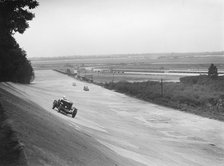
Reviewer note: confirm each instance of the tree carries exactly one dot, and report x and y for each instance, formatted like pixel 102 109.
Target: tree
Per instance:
pixel 15 14
pixel 14 17
pixel 213 71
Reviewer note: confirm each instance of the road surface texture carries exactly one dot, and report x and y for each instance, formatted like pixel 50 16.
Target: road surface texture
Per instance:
pixel 109 128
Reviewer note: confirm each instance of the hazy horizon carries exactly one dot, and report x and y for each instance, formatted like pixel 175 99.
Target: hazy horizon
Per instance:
pixel 104 27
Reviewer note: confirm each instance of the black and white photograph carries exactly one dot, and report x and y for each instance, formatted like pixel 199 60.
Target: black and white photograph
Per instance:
pixel 111 83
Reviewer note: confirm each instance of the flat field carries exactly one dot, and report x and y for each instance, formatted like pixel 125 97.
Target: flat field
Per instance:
pixel 110 77
pixel 118 68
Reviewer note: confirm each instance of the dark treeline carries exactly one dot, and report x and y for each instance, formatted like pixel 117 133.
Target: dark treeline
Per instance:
pixel 14 66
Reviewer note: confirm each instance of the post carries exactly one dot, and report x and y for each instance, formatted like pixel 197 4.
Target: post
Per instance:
pixel 113 77
pixel 161 87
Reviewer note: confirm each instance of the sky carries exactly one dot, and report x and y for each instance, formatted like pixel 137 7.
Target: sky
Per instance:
pixel 99 27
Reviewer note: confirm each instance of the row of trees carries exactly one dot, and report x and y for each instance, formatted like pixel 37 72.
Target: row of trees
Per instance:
pixel 14 17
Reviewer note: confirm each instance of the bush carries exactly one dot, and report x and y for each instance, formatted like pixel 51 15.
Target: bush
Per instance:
pixel 189 80
pixel 213 71
pixel 14 66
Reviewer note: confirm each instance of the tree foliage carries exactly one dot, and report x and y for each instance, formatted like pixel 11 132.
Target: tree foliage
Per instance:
pixel 15 14
pixel 213 71
pixel 14 17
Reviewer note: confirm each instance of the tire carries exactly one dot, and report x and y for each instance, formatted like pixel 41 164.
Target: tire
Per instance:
pixel 74 113
pixel 59 109
pixel 54 104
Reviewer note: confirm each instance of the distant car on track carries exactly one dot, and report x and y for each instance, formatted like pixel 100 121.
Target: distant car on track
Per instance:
pixel 86 88
pixel 65 106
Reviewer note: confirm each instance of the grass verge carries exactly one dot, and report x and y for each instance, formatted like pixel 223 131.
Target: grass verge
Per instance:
pixel 11 150
pixel 199 94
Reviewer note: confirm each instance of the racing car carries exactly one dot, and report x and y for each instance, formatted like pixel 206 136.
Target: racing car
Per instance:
pixel 65 106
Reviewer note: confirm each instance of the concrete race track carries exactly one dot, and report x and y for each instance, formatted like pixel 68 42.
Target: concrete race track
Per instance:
pixel 133 131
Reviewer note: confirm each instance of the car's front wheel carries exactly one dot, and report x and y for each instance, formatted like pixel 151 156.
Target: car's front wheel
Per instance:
pixel 54 104
pixel 59 108
pixel 74 112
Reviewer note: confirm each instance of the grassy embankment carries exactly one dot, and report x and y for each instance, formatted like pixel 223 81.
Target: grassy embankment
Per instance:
pixel 197 94
pixel 11 150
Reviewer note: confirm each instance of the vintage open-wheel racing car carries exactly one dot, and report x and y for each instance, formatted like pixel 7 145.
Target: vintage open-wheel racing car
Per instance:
pixel 65 106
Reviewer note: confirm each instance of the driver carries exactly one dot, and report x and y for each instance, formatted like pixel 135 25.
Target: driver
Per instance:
pixel 63 98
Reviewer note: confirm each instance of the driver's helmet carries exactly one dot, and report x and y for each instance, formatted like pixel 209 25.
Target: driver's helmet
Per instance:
pixel 64 98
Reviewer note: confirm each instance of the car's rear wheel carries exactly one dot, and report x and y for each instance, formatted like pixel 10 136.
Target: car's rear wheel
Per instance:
pixel 74 112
